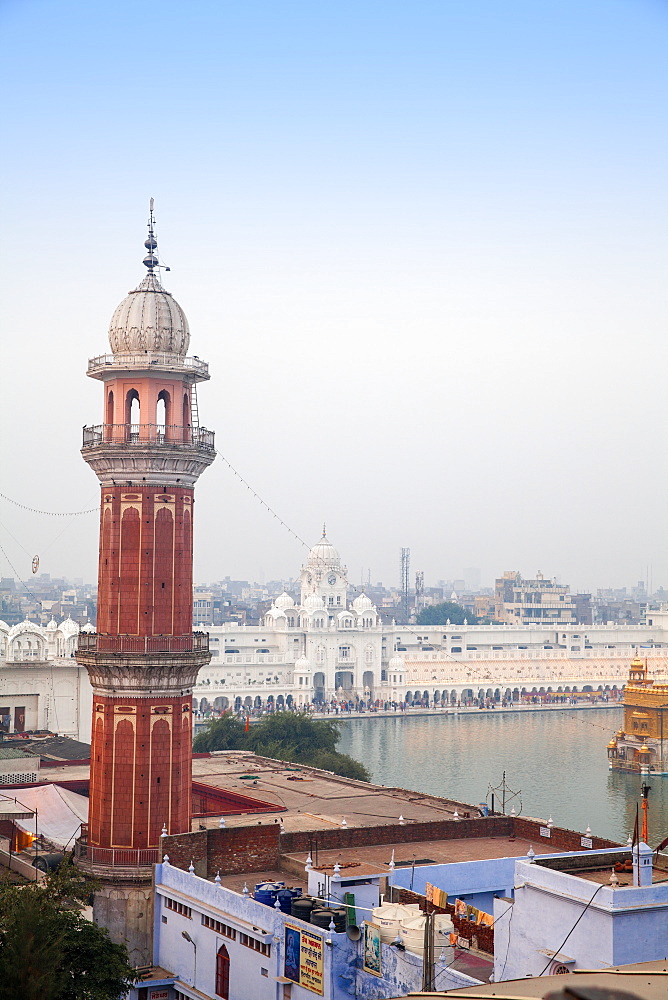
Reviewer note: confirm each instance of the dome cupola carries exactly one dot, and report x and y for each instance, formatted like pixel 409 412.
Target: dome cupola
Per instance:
pixel 149 320
pixel 323 555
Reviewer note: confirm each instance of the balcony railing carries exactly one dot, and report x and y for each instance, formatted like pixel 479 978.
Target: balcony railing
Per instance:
pixel 140 435
pixel 148 359
pixel 92 642
pixel 125 861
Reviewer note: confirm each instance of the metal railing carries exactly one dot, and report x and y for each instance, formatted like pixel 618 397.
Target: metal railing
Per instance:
pixel 149 358
pixel 93 642
pixel 101 859
pixel 128 435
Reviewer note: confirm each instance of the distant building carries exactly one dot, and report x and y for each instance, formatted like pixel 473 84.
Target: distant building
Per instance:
pixel 41 684
pixel 533 602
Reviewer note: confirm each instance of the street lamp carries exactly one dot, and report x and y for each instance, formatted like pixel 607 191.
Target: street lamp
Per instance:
pixel 184 934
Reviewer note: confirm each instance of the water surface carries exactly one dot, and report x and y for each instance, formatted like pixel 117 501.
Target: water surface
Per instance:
pixel 557 758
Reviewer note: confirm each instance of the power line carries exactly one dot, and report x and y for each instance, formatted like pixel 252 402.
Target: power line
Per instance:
pixel 49 513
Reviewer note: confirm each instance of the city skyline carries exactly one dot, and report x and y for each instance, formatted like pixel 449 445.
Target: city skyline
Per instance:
pixel 422 254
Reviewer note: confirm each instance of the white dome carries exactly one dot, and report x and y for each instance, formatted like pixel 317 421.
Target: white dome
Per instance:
pixel 25 626
pixel 313 603
pixel 302 665
pixel 52 626
pixel 149 319
pixel 396 663
pixel 284 601
pixel 275 612
pixel 69 627
pixel 362 603
pixel 88 627
pixel 323 555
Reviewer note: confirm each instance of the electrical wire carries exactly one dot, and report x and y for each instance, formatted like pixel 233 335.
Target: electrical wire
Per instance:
pixel 18 577
pixel 48 513
pixel 492 926
pixel 551 960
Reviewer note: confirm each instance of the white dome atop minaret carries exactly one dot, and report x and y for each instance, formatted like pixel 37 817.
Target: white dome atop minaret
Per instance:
pixel 149 319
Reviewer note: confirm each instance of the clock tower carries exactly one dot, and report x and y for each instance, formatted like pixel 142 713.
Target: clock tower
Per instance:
pixel 325 576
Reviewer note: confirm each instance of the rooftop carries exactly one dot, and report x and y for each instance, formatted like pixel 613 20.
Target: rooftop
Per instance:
pixel 318 799
pixel 644 981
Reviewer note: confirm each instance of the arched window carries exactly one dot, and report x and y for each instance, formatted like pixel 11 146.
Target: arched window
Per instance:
pixel 110 407
pixel 223 973
pixel 186 410
pixel 163 414
pixel 132 408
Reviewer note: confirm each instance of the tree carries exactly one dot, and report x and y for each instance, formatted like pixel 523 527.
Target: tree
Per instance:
pixel 49 951
pixel 292 736
pixel 440 614
pixel 224 733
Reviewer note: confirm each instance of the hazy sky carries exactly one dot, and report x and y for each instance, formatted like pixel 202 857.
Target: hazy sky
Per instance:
pixel 421 244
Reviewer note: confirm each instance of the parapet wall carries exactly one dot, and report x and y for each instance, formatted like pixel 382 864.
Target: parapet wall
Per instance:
pixel 232 850
pixel 447 829
pixel 254 848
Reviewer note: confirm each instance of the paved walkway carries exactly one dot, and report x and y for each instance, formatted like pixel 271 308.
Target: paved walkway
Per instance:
pixel 472 710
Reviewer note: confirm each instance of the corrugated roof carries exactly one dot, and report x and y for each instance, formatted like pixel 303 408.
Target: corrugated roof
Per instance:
pixel 8 753
pixel 59 748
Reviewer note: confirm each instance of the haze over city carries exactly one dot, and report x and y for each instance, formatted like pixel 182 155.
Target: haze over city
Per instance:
pixel 422 248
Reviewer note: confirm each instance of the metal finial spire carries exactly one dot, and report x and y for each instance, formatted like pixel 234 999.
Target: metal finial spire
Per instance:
pixel 151 244
pixel 324 530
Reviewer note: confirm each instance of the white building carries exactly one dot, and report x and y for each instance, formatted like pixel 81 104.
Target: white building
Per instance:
pixel 41 684
pixel 329 648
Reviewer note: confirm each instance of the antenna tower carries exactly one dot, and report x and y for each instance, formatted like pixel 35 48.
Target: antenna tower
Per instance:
pixel 405 580
pixel 419 591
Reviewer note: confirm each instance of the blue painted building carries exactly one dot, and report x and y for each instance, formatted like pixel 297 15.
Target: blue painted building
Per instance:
pixel 218 943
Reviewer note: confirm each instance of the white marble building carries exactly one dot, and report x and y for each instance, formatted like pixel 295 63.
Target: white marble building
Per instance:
pixel 41 684
pixel 330 648
pixel 326 648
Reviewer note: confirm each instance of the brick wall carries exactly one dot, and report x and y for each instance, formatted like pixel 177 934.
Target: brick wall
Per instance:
pixel 365 836
pixel 241 849
pixel 232 850
pixel 492 826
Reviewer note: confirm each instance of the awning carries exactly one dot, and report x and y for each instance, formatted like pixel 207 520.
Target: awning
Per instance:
pixel 13 809
pixel 60 813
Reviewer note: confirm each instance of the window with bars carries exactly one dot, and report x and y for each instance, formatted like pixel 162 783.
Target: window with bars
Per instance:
pixel 251 942
pixel 173 904
pixel 219 927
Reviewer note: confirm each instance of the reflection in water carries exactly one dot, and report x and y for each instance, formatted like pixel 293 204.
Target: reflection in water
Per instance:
pixel 557 758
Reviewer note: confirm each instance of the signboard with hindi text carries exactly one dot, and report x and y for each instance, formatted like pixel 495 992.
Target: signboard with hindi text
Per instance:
pixel 304 958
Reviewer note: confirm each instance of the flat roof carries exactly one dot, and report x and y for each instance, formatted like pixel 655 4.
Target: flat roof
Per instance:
pixel 438 852
pixel 644 980
pixel 313 798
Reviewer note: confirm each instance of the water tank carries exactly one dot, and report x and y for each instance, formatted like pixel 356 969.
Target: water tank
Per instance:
pixel 301 907
pixel 323 916
pixel 285 898
pixel 265 892
pixel 388 917
pixel 412 933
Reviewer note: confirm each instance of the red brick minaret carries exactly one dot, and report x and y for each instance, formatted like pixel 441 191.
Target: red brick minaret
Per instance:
pixel 144 659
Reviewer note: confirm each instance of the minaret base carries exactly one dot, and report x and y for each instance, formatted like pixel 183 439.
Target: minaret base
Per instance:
pixel 127 913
